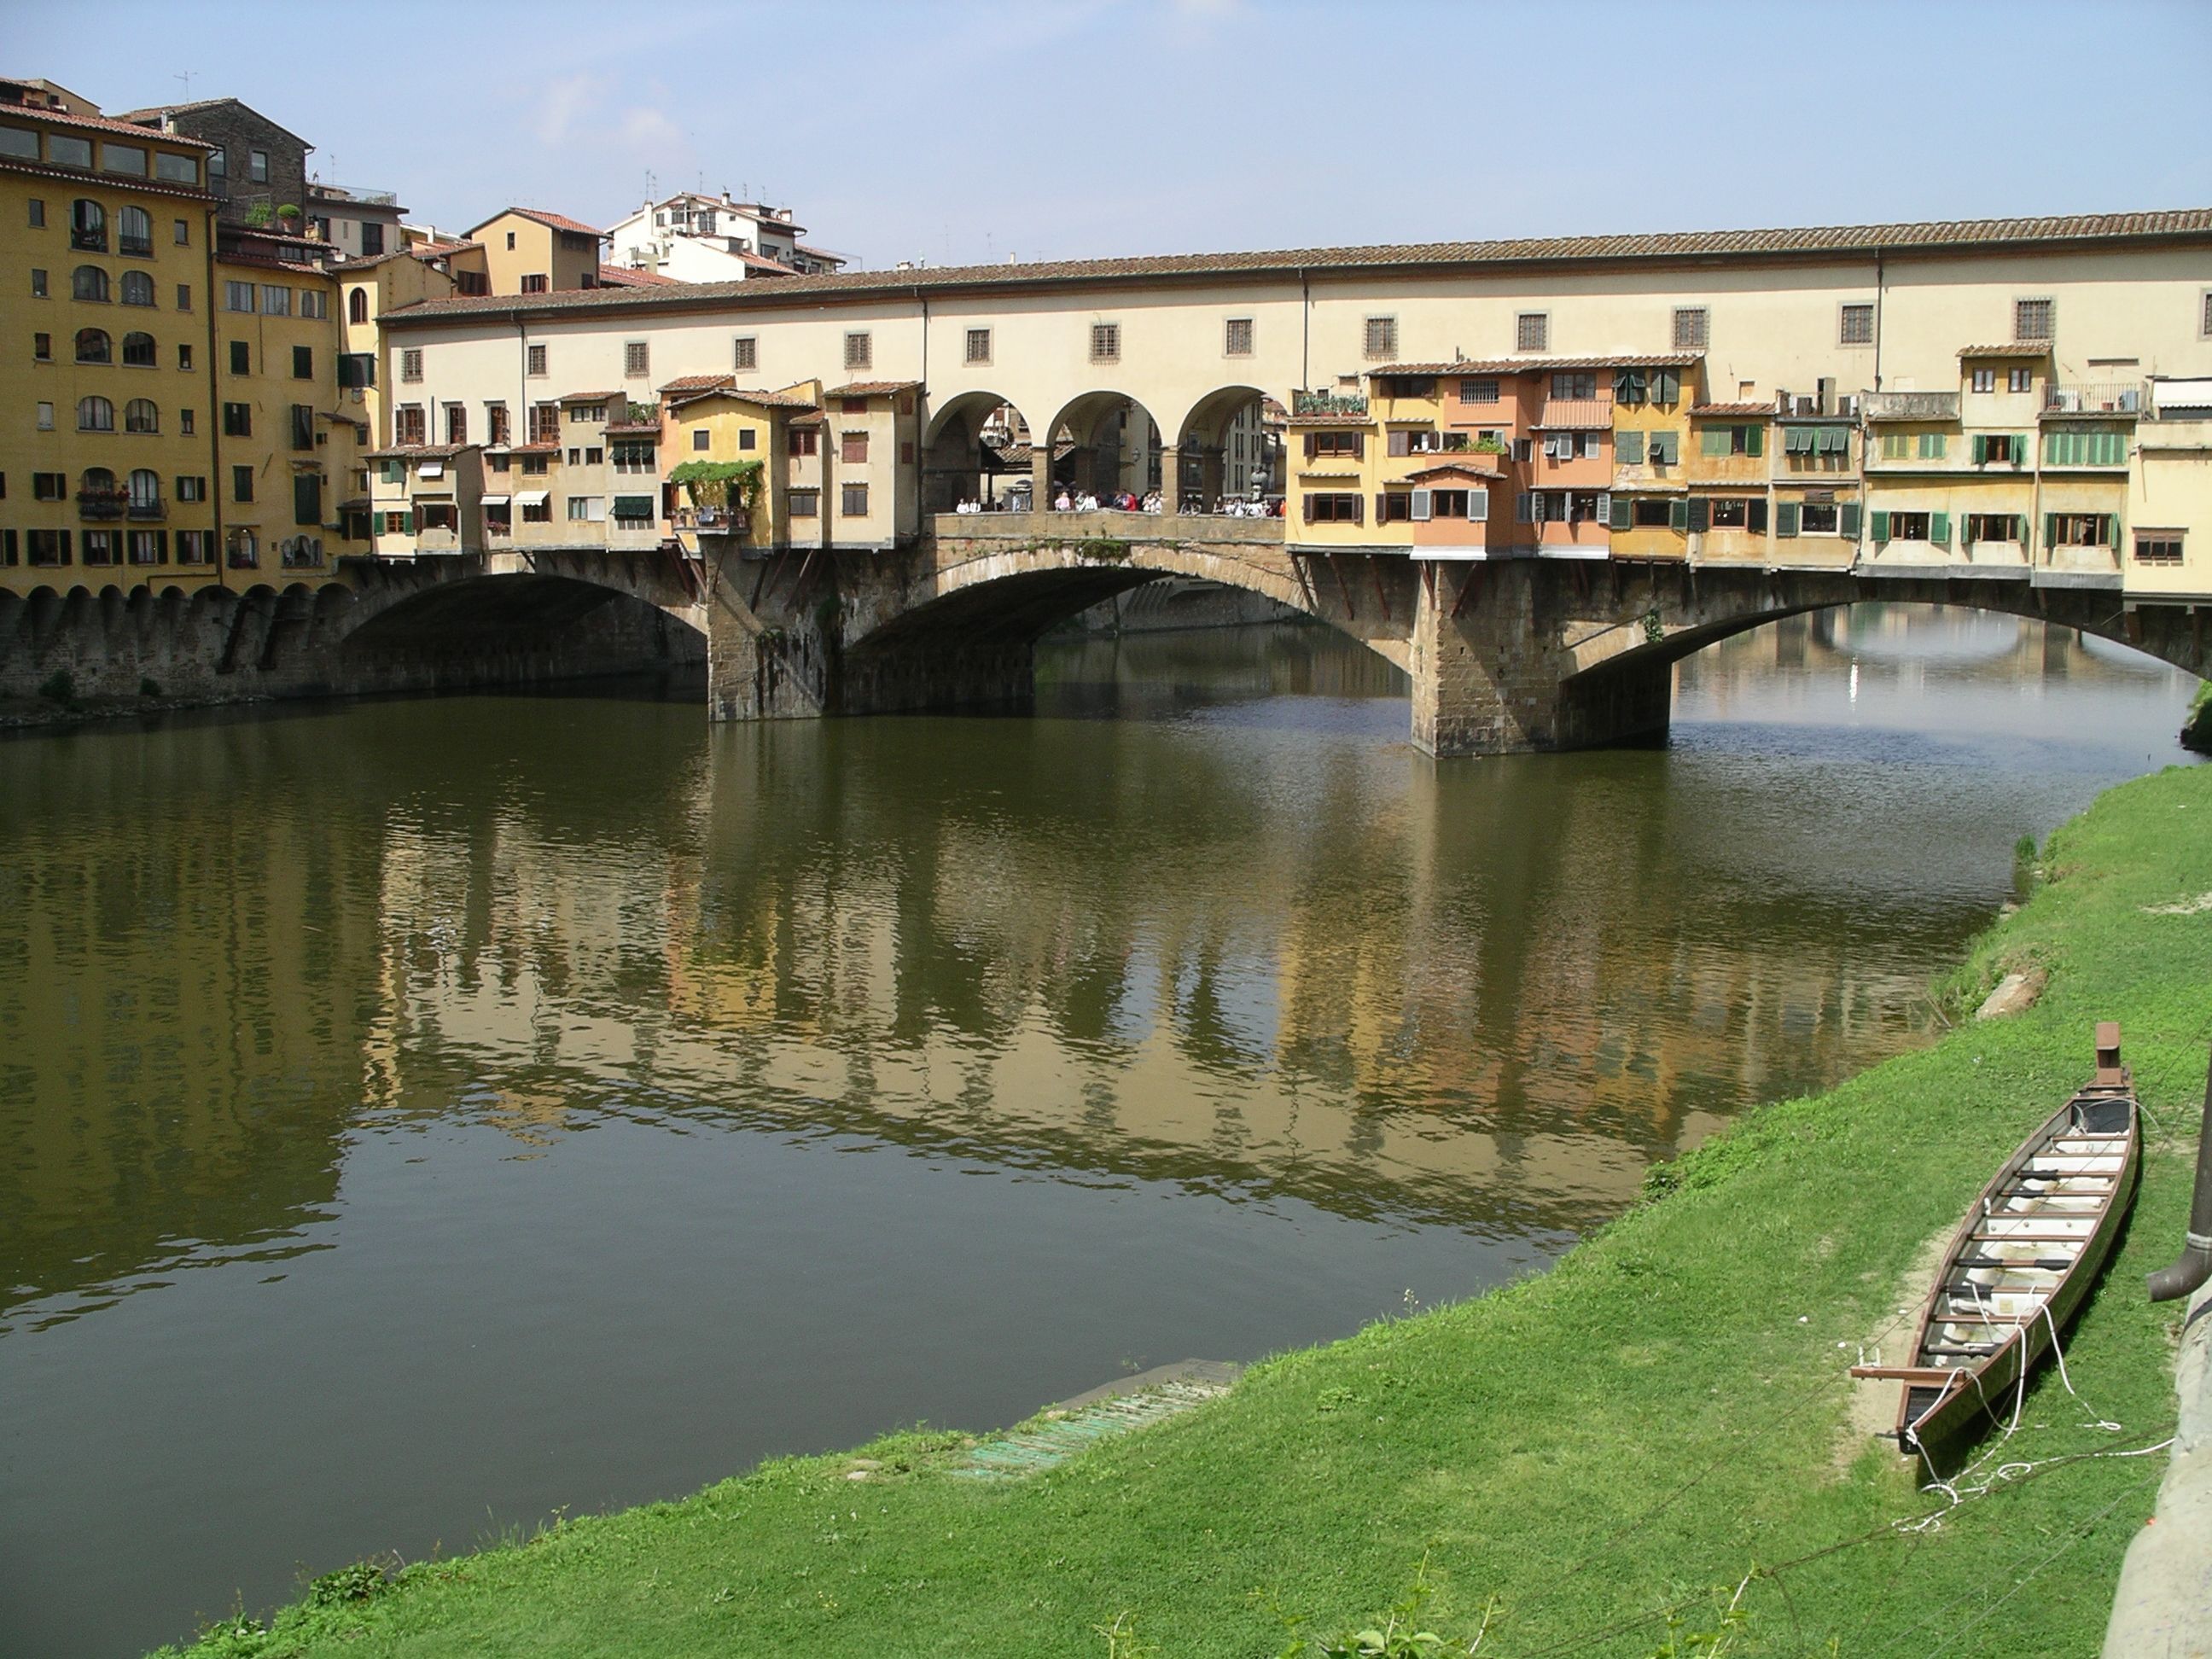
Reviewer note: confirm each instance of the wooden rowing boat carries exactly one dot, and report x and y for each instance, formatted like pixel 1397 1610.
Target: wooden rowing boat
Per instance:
pixel 2019 1264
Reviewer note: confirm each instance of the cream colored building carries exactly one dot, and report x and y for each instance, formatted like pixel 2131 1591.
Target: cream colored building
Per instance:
pixel 1813 323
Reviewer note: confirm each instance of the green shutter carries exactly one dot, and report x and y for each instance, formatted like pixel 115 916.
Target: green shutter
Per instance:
pixel 1939 529
pixel 394 472
pixel 1754 440
pixel 1981 450
pixel 1758 516
pixel 1628 448
pixel 407 519
pixel 1620 512
pixel 1678 513
pixel 1700 513
pixel 1713 441
pixel 1879 531
pixel 1785 518
pixel 2050 530
pixel 2026 525
pixel 1847 520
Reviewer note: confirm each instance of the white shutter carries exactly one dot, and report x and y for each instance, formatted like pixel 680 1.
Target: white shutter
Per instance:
pixel 1424 502
pixel 1536 505
pixel 1604 507
pixel 1478 504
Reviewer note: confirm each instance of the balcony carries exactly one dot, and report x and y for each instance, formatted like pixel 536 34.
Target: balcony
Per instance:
pixel 98 504
pixel 2096 398
pixel 1328 403
pixel 145 512
pixel 1911 406
pixel 715 520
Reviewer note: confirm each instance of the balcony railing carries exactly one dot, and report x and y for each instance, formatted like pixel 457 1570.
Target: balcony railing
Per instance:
pixel 1328 403
pixel 101 503
pixel 1911 406
pixel 145 510
pixel 2097 398
pixel 719 520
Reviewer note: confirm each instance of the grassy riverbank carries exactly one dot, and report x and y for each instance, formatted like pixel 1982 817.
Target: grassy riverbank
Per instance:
pixel 1638 1429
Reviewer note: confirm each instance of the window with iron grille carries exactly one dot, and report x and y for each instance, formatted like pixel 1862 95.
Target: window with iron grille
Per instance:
pixel 2204 315
pixel 744 353
pixel 637 359
pixel 1478 392
pixel 1857 325
pixel 411 363
pixel 1380 339
pixel 979 345
pixel 1692 326
pixel 853 502
pixel 860 350
pixel 1236 340
pixel 2031 320
pixel 537 360
pixel 1532 331
pixel 1105 343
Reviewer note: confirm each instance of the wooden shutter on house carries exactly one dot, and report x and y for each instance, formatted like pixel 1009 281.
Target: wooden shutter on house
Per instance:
pixel 1628 448
pixel 306 498
pixel 1755 517
pixel 1698 513
pixel 1423 506
pixel 1939 529
pixel 1399 443
pixel 1847 520
pixel 1880 530
pixel 1678 513
pixel 1785 518
pixel 1754 440
pixel 1622 511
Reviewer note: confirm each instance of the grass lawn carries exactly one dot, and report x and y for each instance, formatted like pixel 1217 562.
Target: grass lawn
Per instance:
pixel 1636 1429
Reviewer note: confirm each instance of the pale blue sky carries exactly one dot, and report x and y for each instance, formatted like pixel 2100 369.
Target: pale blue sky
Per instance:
pixel 1063 129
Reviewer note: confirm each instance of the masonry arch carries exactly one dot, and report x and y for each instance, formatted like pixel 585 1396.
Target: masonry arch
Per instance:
pixel 1228 450
pixel 977 448
pixel 1114 446
pixel 495 628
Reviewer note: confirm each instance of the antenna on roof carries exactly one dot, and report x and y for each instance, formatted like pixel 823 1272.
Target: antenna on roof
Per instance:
pixel 186 77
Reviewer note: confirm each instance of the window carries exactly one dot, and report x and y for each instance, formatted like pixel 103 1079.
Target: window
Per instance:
pixel 1575 388
pixel 1393 507
pixel 256 165
pixel 87 225
pixel 979 345
pixel 853 448
pixel 303 362
pixel 88 282
pixel 136 288
pixel 1478 392
pixel 1935 446
pixel 1532 331
pixel 1666 386
pixel 2152 547
pixel 218 165
pixel 92 346
pixel 46 417
pixel 2031 320
pixel 1991 527
pixel 145 490
pixel 48 547
pixel 241 358
pixel 1665 448
pixel 1332 507
pixel 134 232
pixel 1857 325
pixel 1628 448
pixel 1105 343
pixel 633 511
pixel 196 547
pixel 181 230
pixel 2203 304
pixel 2021 379
pixel 2090 447
pixel 242 484
pixel 410 362
pixel 49 486
pixel 42 348
pixel 186 423
pixel 1236 337
pixel 805 503
pixel 457 424
pixel 702 438
pixel 546 423
pixel 537 512
pixel 238 296
pixel 587 509
pixel 1379 340
pixel 744 353
pixel 98 547
pixel 853 502
pixel 408 425
pixel 745 437
pixel 637 359
pixel 38 207
pixel 38 284
pixel 805 440
pixel 495 427
pixel 1692 325
pixel 633 458
pixel 536 361
pixel 238 420
pixel 192 487
pixel 183 296
pixel 1999 447
pixel 587 413
pixel 357 304
pixel 1911 526
pixel 139 415
pixel 510 241
pixel 1351 443
pixel 1984 379
pixel 1718 440
pixel 315 303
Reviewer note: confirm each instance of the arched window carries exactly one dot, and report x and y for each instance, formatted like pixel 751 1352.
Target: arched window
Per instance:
pixel 136 288
pixel 88 226
pixel 95 415
pixel 95 481
pixel 92 346
pixel 138 351
pixel 145 489
pixel 357 306
pixel 139 415
pixel 134 231
pixel 88 282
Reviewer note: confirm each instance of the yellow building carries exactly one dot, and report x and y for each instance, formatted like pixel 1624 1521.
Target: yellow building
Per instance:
pixel 1649 504
pixel 720 425
pixel 103 453
pixel 289 436
pixel 529 252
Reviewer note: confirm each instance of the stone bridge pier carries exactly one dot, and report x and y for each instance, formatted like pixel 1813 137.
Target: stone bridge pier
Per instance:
pixel 1504 656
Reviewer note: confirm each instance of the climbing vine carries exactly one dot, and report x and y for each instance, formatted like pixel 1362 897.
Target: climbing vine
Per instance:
pixel 720 484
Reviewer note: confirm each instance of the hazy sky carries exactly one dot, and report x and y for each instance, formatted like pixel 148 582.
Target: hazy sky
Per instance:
pixel 1062 128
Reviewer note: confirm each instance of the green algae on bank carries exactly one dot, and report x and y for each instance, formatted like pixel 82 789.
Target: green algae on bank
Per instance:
pixel 1661 1413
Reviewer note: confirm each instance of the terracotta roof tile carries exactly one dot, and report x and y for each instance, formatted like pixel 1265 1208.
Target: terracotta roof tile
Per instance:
pixel 2015 349
pixel 417 452
pixel 633 429
pixel 1462 469
pixel 110 123
pixel 1332 420
pixel 1697 411
pixel 589 397
pixel 622 277
pixel 1830 242
pixel 871 388
pixel 1574 414
pixel 770 399
pixel 697 383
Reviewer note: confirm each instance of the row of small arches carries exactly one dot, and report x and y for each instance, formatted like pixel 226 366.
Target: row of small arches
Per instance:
pixel 93 346
pixel 144 486
pixel 135 288
pixel 134 228
pixel 98 415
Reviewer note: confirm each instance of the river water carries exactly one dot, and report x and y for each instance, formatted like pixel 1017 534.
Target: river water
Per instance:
pixel 417 1117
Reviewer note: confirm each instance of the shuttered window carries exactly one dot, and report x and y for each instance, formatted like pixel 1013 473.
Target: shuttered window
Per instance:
pixel 744 353
pixel 2084 448
pixel 306 498
pixel 1628 448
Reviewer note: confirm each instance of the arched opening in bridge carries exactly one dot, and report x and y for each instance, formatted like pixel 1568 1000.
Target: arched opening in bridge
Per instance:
pixel 978 451
pixel 1227 455
pixel 1114 452
pixel 522 630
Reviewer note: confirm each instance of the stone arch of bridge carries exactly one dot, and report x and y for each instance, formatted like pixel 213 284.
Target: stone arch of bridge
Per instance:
pixel 971 450
pixel 526 611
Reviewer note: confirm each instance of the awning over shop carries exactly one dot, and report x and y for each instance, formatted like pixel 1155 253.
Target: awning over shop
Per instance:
pixel 494 501
pixel 633 507
pixel 533 497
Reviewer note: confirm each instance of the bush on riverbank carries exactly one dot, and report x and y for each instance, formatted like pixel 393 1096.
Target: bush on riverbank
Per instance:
pixel 2196 728
pixel 1630 1433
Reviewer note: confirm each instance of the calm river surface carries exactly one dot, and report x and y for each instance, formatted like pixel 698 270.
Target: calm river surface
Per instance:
pixel 418 1116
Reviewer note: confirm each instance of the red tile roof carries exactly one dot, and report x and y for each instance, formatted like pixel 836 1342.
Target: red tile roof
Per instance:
pixel 1463 469
pixel 769 399
pixel 106 123
pixel 551 220
pixel 1574 414
pixel 633 429
pixel 697 383
pixel 417 452
pixel 1700 410
pixel 622 277
pixel 871 388
pixel 588 397
pixel 2015 349
pixel 1332 420
pixel 1537 365
pixel 2189 225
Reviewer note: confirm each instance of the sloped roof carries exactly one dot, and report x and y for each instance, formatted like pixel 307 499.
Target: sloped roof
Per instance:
pixel 550 221
pixel 1537 364
pixel 624 277
pixel 1699 411
pixel 101 123
pixel 1830 242
pixel 154 112
pixel 2013 349
pixel 871 388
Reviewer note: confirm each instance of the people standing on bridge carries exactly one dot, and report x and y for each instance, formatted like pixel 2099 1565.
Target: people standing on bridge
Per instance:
pixel 1061 504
